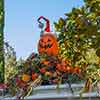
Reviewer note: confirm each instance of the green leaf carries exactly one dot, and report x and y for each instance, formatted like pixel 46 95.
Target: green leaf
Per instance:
pixel 98 52
pixel 56 26
pixel 61 22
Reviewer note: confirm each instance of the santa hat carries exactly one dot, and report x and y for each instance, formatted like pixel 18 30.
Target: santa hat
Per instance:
pixel 47 28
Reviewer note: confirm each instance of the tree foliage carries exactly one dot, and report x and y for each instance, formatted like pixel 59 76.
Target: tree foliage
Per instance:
pixel 1 40
pixel 79 32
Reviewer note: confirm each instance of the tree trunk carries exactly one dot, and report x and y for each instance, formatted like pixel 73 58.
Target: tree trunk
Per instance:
pixel 1 40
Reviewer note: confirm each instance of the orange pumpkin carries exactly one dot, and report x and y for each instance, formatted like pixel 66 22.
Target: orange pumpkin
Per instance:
pixel 25 77
pixel 34 76
pixel 42 70
pixel 48 44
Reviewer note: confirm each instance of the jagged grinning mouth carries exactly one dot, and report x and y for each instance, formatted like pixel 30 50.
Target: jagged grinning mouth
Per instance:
pixel 46 46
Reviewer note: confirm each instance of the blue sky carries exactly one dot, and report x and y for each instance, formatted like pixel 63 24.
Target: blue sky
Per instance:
pixel 21 26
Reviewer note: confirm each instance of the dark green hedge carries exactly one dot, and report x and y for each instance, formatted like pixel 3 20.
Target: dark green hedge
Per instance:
pixel 1 40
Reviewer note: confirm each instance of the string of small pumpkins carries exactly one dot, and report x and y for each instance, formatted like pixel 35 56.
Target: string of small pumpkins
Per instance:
pixel 48 44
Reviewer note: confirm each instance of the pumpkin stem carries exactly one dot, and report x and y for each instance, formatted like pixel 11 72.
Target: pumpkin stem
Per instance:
pixel 47 28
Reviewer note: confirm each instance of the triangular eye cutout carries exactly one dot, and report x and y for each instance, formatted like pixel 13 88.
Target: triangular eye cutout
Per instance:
pixel 41 40
pixel 48 40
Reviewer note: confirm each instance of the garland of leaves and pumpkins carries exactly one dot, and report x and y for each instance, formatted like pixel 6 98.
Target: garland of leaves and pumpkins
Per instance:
pixel 72 56
pixel 44 68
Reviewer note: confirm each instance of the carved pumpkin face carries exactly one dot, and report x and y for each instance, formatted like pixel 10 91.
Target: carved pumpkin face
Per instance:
pixel 48 44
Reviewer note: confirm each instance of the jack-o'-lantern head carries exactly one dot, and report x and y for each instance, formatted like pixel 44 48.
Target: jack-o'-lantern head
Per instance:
pixel 48 44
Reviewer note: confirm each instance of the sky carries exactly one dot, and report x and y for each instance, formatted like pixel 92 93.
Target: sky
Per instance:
pixel 21 26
